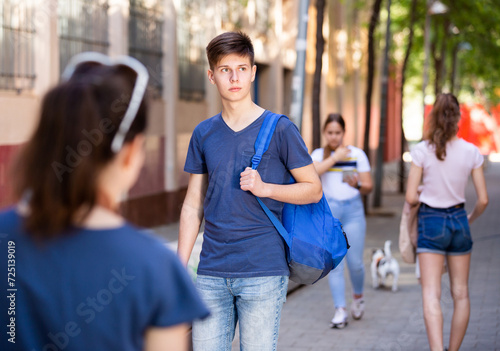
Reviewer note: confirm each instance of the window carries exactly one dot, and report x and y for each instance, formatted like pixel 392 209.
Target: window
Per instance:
pixel 145 38
pixel 16 45
pixel 83 26
pixel 191 43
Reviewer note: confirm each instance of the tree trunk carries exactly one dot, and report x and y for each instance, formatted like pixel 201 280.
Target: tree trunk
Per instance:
pixel 379 165
pixel 453 71
pixel 439 62
pixel 371 70
pixel 320 47
pixel 404 143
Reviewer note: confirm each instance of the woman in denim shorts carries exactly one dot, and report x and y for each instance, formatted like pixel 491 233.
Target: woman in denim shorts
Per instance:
pixel 442 163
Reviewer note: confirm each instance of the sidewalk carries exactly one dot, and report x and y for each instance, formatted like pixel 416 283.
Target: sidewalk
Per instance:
pixel 394 321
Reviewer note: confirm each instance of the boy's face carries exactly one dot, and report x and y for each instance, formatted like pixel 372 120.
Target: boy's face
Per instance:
pixel 233 75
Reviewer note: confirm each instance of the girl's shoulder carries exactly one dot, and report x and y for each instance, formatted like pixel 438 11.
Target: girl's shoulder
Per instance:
pixel 317 154
pixel 356 150
pixel 463 144
pixel 424 146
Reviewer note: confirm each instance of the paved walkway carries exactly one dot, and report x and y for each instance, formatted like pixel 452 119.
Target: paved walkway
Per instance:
pixel 394 321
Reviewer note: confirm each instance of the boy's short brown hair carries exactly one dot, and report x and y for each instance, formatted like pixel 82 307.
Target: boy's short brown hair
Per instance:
pixel 229 43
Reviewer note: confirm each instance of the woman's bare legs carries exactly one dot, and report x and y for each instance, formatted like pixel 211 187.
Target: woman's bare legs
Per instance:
pixel 458 267
pixel 431 266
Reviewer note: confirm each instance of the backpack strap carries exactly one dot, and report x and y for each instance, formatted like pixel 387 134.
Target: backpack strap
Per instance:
pixel 261 145
pixel 277 224
pixel 264 137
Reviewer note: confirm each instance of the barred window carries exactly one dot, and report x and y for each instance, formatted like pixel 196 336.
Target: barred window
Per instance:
pixel 17 31
pixel 191 43
pixel 83 26
pixel 145 38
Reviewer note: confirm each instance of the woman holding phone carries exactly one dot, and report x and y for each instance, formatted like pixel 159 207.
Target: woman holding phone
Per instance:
pixel 345 174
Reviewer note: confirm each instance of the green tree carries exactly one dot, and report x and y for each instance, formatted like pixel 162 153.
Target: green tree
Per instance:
pixel 472 25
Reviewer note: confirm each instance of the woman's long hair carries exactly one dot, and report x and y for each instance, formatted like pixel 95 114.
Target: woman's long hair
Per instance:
pixel 57 170
pixel 443 123
pixel 332 117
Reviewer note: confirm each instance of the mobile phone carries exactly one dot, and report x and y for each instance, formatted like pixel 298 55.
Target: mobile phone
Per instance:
pixel 346 174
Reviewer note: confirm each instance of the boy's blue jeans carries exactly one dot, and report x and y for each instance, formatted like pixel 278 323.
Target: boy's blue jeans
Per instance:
pixel 352 216
pixel 255 303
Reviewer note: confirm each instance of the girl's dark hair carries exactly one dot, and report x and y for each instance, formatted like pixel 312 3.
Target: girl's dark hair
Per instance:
pixel 57 170
pixel 229 43
pixel 332 117
pixel 443 121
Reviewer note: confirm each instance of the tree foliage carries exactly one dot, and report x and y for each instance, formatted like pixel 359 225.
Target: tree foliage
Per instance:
pixel 469 34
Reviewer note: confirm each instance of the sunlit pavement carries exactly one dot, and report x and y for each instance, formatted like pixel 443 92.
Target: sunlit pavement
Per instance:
pixel 394 321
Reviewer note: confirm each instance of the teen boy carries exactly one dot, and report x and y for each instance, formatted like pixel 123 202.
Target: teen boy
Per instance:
pixel 242 274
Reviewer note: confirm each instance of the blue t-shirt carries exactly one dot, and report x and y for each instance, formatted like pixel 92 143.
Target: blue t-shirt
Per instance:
pixel 239 239
pixel 90 290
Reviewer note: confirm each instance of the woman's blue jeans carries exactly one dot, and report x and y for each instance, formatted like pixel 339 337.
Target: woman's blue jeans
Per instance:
pixel 255 303
pixel 352 216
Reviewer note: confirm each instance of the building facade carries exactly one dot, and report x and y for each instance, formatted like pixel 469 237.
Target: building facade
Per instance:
pixel 38 37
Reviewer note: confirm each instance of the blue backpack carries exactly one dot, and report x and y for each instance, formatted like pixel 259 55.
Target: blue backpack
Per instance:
pixel 315 240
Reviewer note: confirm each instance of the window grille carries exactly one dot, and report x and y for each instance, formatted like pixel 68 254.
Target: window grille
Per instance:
pixel 191 42
pixel 17 32
pixel 83 26
pixel 146 37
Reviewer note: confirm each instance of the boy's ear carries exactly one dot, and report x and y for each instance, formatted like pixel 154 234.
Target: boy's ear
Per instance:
pixel 254 71
pixel 210 75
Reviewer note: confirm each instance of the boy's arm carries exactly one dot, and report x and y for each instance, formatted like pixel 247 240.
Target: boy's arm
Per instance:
pixel 306 190
pixel 191 215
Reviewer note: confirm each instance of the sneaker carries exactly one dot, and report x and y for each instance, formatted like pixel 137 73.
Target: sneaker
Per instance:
pixel 339 319
pixel 357 308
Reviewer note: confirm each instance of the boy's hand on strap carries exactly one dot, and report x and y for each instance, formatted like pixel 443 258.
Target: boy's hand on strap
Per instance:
pixel 250 181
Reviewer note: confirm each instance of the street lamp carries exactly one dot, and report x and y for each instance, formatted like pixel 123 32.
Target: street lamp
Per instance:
pixel 462 46
pixel 297 105
pixel 433 8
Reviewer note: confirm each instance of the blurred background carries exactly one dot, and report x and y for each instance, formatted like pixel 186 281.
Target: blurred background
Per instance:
pixel 379 63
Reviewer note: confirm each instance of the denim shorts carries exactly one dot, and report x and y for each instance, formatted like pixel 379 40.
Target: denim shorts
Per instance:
pixel 443 230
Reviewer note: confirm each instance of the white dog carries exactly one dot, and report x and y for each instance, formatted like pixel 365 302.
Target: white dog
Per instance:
pixel 384 264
